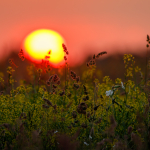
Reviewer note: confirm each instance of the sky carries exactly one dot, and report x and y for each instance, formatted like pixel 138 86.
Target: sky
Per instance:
pixel 88 26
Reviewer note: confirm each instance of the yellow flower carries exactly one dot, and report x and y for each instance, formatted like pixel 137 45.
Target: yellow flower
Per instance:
pixel 137 69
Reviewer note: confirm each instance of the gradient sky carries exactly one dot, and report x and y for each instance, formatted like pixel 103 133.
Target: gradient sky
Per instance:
pixel 88 26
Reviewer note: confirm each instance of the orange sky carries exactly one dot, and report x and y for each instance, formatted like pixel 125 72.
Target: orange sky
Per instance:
pixel 88 26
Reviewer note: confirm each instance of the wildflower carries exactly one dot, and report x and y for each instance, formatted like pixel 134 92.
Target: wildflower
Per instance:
pixel 90 137
pixel 109 93
pixel 86 143
pixel 56 131
pixel 122 85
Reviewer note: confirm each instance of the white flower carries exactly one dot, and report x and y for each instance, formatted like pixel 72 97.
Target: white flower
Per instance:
pixel 86 143
pixel 90 137
pixel 122 85
pixel 56 131
pixel 109 93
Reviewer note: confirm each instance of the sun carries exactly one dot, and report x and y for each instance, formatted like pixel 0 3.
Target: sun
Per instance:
pixel 44 44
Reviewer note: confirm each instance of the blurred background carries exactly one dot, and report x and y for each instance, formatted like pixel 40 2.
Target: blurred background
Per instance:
pixel 88 27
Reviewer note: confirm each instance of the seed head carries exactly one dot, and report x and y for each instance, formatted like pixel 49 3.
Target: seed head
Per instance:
pixel 65 58
pixel 54 86
pixel 148 38
pixel 44 89
pixel 55 106
pixel 84 87
pixel 47 57
pixel 82 108
pixel 62 93
pixel 84 125
pixel 88 114
pixel 58 82
pixel 129 130
pixel 48 102
pixel 95 108
pixel 64 47
pixel 22 58
pixel 75 85
pixel 87 64
pixel 76 121
pixel 98 121
pixel 67 53
pixel 100 54
pixel 92 62
pixel 1 92
pixel 56 78
pixel 94 56
pixel 73 75
pixel 50 78
pixel 78 79
pixel 86 98
pixel 45 106
pixel 48 83
pixel 74 114
pixel 69 95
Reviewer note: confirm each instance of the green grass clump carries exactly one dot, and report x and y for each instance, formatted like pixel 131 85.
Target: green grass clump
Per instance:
pixel 78 113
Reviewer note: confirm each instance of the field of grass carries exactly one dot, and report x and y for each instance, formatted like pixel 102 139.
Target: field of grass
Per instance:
pixel 72 115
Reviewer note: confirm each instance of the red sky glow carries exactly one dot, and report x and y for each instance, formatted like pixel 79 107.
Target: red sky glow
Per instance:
pixel 88 26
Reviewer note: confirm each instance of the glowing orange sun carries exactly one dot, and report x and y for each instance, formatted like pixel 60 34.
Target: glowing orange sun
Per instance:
pixel 44 44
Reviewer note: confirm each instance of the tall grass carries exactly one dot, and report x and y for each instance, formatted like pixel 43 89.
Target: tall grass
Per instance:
pixel 70 114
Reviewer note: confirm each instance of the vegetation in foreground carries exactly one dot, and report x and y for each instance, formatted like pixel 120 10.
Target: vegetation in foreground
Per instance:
pixel 70 114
